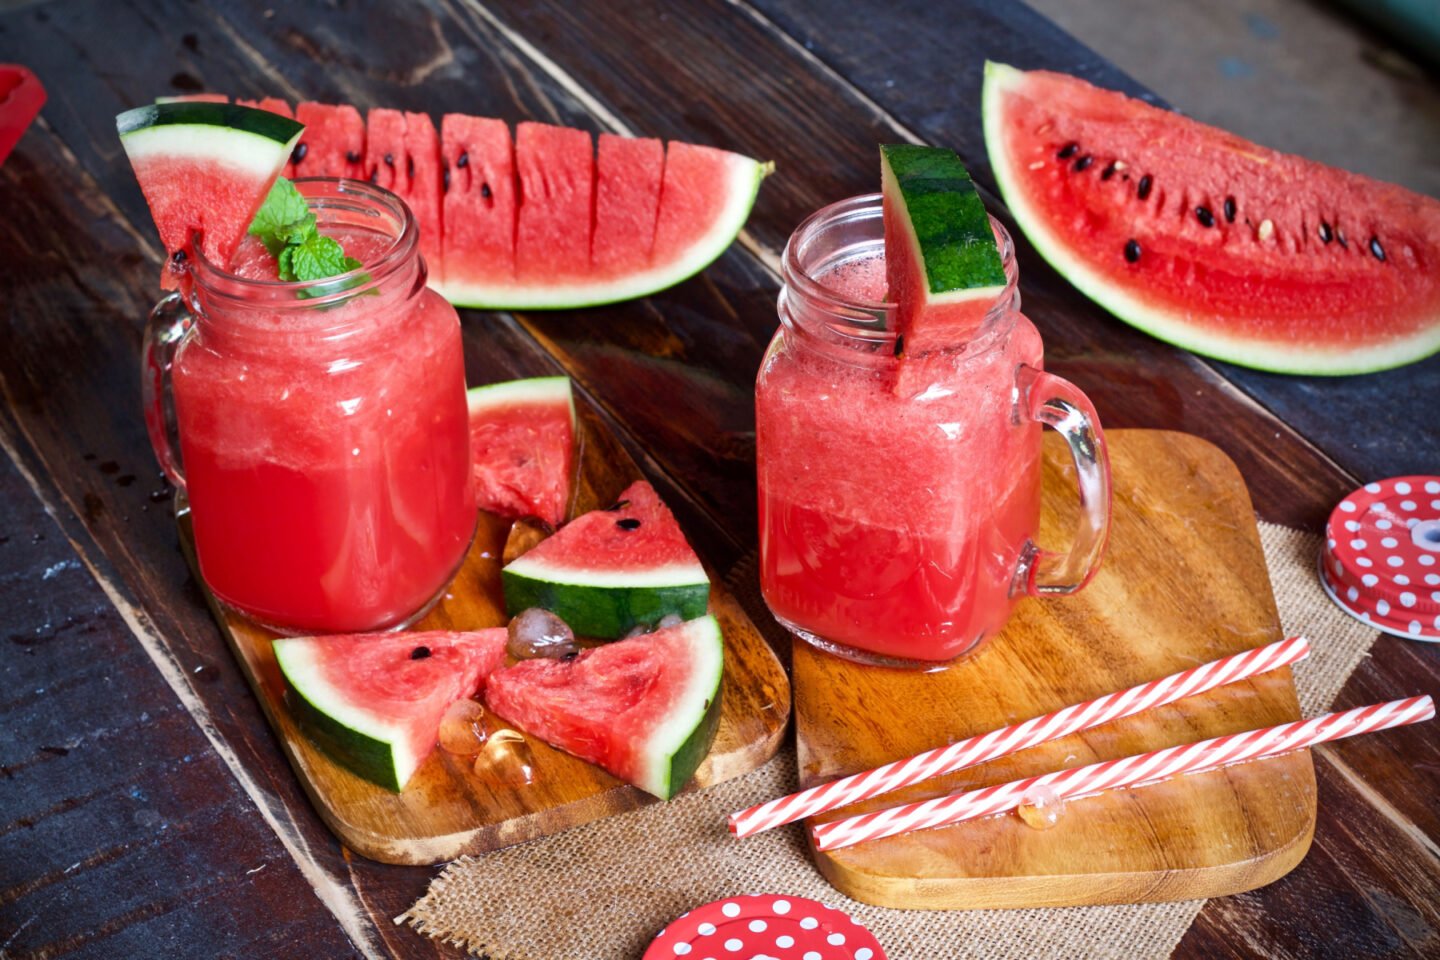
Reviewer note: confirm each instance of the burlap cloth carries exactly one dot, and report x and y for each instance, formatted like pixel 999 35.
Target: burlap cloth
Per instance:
pixel 604 890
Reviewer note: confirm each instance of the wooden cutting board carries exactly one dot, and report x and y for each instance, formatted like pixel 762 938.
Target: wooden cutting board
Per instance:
pixel 448 809
pixel 1184 582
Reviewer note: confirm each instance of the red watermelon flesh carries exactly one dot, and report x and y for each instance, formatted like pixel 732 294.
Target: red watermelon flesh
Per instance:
pixel 645 709
pixel 333 144
pixel 479 206
pixel 375 701
pixel 1210 241
pixel 556 168
pixel 522 439
pixel 628 176
pixel 654 542
pixel 272 104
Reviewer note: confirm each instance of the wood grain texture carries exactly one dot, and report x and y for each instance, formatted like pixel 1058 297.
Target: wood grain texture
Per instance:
pixel 454 805
pixel 1183 583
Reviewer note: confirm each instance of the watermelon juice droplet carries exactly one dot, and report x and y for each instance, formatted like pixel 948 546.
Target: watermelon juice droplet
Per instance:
pixel 506 760
pixel 462 729
pixel 1042 807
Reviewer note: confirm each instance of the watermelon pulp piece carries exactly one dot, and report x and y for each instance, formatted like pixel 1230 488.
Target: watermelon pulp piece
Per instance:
pixel 522 437
pixel 478 213
pixel 205 168
pixel 333 144
pixel 645 709
pixel 628 177
pixel 611 570
pixel 21 97
pixel 556 170
pixel 1209 241
pixel 402 154
pixel 374 702
pixel 942 264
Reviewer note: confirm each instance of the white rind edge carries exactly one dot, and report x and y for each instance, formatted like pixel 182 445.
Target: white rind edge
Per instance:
pixel 1173 327
pixel 744 184
pixel 239 150
pixel 670 575
pixel 532 390
pixel 707 646
pixel 296 657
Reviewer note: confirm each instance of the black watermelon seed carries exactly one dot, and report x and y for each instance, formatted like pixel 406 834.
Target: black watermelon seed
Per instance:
pixel 445 180
pixel 1068 151
pixel 1325 235
pixel 410 167
pixel 485 190
pixel 1340 235
pixel 899 344
pixel 617 505
pixel 1229 209
pixel 178 257
pixel 463 160
pixel 1108 172
pixel 1143 190
pixel 419 653
pixel 352 156
pixel 299 152
pixel 629 523
pixel 1083 163
pixel 1132 251
pixel 1206 218
pixel 389 159
pixel 1377 251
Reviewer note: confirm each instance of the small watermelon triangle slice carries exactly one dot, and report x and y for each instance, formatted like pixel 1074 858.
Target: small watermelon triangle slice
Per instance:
pixel 205 169
pixel 612 570
pixel 942 263
pixel 374 702
pixel 522 438
pixel 645 709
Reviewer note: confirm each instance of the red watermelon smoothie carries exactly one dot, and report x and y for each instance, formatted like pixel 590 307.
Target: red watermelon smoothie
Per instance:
pixel 325 439
pixel 895 525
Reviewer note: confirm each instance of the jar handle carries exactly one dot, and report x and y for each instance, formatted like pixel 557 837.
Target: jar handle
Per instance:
pixel 169 322
pixel 1059 404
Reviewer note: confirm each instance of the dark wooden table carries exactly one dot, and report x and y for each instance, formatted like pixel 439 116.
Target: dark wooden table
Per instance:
pixel 145 809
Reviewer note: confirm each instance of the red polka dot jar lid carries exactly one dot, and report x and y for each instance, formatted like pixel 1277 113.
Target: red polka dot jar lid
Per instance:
pixel 767 927
pixel 1381 561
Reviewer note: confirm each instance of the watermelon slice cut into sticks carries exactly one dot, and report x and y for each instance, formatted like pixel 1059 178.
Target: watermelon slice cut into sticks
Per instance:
pixel 333 144
pixel 374 702
pixel 205 168
pixel 942 264
pixel 1209 241
pixel 645 709
pixel 612 570
pixel 402 154
pixel 522 437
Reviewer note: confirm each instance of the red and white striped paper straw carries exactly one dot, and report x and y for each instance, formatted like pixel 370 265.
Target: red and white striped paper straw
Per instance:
pixel 1128 772
pixel 1007 740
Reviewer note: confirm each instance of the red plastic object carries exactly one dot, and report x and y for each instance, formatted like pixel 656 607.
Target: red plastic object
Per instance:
pixel 1381 561
pixel 21 96
pixel 772 926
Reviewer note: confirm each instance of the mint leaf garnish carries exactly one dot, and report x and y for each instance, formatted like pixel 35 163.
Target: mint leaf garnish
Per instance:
pixel 286 226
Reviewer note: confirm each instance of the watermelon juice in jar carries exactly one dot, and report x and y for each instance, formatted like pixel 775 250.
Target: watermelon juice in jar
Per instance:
pixel 899 507
pixel 323 430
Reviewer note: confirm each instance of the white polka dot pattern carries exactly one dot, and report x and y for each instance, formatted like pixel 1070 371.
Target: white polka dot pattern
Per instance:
pixel 765 928
pixel 1380 540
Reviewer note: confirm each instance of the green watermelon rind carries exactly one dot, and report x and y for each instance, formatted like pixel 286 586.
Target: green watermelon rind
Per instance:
pixel 1281 356
pixel 949 230
pixel 357 740
pixel 534 390
pixel 677 748
pixel 228 135
pixel 603 604
pixel 744 186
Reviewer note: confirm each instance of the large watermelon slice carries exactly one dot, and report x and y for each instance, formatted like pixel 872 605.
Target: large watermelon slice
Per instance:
pixel 522 438
pixel 205 168
pixel 1209 241
pixel 942 264
pixel 374 702
pixel 612 570
pixel 644 709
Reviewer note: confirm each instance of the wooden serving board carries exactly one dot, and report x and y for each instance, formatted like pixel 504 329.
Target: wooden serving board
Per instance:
pixel 1184 582
pixel 447 809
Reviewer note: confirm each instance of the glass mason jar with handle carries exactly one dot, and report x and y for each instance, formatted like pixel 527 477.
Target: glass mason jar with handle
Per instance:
pixel 322 425
pixel 899 497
